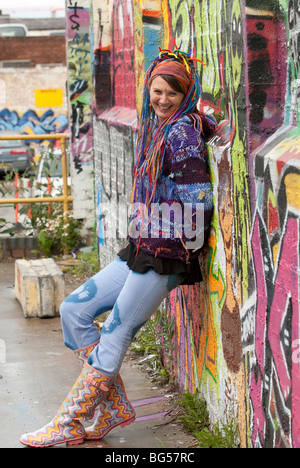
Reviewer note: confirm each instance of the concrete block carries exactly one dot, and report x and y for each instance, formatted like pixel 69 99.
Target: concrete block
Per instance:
pixel 39 287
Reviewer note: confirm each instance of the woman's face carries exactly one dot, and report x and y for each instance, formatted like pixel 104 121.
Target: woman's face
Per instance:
pixel 164 98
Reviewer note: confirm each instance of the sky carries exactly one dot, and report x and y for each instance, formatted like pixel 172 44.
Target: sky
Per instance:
pixel 32 8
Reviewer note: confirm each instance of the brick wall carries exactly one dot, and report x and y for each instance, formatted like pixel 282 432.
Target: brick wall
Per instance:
pixel 39 50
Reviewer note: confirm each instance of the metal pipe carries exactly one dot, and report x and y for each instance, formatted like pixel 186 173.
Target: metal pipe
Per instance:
pixel 52 136
pixel 59 199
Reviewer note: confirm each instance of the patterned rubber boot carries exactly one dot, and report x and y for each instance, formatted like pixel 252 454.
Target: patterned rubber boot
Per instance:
pixel 115 409
pixel 66 427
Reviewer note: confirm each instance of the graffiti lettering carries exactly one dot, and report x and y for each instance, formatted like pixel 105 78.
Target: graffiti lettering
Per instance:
pixel 31 122
pixel 80 83
pixel 75 7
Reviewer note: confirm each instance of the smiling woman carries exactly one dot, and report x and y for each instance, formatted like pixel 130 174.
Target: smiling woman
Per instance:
pixel 171 170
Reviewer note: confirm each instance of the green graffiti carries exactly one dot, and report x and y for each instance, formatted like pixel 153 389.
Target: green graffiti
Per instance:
pixel 197 28
pixel 218 40
pixel 207 25
pixel 239 161
pixel 182 23
pixel 236 41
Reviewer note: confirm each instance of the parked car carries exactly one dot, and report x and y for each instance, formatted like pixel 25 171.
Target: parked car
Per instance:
pixel 13 30
pixel 14 154
pixel 49 180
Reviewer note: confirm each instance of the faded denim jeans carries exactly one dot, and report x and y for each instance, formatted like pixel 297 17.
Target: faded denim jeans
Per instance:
pixel 132 297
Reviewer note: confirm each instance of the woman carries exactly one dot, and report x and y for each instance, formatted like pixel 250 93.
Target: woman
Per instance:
pixel 171 182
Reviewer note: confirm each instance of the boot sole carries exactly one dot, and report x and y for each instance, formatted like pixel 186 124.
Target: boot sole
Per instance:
pixel 68 442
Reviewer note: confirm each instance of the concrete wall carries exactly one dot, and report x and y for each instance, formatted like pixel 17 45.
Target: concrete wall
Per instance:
pixel 237 333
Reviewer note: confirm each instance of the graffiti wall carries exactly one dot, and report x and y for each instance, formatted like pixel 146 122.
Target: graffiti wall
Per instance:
pixel 80 88
pixel 31 122
pixel 236 333
pixel 42 108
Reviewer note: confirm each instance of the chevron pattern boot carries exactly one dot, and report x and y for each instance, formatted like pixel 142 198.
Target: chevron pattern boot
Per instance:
pixel 66 427
pixel 114 410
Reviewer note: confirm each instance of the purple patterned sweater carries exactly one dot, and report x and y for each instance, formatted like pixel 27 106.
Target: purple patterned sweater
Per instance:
pixel 184 186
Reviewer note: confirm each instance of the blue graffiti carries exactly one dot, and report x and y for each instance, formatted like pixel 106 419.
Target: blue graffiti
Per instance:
pixel 30 122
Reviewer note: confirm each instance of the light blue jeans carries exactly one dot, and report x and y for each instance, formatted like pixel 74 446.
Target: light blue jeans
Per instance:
pixel 132 297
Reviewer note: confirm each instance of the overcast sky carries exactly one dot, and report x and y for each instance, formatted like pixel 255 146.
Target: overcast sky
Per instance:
pixel 32 8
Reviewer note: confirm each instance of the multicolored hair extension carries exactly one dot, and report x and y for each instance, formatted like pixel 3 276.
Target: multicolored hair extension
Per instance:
pixel 150 148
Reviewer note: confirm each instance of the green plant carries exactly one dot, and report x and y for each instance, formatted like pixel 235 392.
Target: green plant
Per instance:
pixel 45 242
pixel 195 416
pixel 88 264
pixel 221 436
pixel 4 227
pixel 195 419
pixel 154 342
pixel 57 231
pixel 66 231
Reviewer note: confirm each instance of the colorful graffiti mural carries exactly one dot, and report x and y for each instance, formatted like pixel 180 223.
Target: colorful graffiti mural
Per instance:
pixel 259 314
pixel 32 123
pixel 275 375
pixel 80 82
pixel 237 333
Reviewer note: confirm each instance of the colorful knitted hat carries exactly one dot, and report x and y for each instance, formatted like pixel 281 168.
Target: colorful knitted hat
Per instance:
pixel 173 68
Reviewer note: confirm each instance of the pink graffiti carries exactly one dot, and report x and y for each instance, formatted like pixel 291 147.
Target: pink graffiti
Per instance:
pixel 257 382
pixel 259 419
pixel 124 87
pixel 287 289
pixel 262 297
pixel 286 293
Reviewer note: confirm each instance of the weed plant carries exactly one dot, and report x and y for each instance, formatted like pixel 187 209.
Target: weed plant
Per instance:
pixel 195 419
pixel 154 342
pixel 88 264
pixel 57 232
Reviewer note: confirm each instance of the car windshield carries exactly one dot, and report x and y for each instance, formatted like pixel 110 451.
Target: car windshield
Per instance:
pixel 12 31
pixel 11 143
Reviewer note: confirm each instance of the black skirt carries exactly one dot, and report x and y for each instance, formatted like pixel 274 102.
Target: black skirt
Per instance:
pixel 141 262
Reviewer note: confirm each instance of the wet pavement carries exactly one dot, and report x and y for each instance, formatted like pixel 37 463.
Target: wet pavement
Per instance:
pixel 37 372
